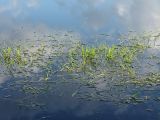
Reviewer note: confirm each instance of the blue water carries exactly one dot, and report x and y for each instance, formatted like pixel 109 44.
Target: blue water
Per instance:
pixel 33 19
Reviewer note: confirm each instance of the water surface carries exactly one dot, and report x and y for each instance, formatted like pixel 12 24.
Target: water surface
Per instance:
pixel 59 25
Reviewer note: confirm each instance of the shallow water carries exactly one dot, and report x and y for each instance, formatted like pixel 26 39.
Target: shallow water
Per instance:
pixel 46 30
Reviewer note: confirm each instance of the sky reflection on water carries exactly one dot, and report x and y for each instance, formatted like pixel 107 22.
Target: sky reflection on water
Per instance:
pixel 84 16
pixel 21 18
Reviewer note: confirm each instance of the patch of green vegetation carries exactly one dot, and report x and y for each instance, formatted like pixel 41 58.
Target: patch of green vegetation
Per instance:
pixel 111 65
pixel 7 56
pixel 111 53
pixel 19 57
pixel 102 57
pixel 88 56
pixel 11 56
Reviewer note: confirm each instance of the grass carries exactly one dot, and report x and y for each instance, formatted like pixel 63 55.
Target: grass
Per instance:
pixel 101 60
pixel 113 64
pixel 7 56
pixel 110 54
pixel 10 56
pixel 94 61
pixel 19 57
pixel 12 59
pixel 88 55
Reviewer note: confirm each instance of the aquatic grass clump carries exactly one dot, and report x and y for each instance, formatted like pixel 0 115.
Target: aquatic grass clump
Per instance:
pixel 19 57
pixel 127 54
pixel 7 56
pixel 81 58
pixel 72 57
pixel 12 59
pixel 104 61
pixel 11 56
pixel 88 55
pixel 111 53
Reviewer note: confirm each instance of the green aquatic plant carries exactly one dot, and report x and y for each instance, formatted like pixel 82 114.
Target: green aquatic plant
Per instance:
pixel 72 64
pixel 7 56
pixel 85 58
pixel 11 56
pixel 112 66
pixel 81 58
pixel 7 59
pixel 126 54
pixel 88 55
pixel 110 54
pixel 12 59
pixel 18 58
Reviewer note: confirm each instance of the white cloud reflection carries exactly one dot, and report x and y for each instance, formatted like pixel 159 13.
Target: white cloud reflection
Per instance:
pixel 16 7
pixel 116 14
pixel 141 14
pixel 32 3
pixel 100 14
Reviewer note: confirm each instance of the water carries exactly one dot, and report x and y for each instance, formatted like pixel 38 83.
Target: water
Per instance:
pixel 43 91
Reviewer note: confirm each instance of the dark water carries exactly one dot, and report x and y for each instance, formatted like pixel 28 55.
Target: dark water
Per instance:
pixel 84 20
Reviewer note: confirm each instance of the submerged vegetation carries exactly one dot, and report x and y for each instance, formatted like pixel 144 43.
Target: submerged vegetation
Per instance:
pixel 109 71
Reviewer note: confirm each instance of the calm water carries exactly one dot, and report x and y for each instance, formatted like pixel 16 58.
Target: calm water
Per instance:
pixel 84 20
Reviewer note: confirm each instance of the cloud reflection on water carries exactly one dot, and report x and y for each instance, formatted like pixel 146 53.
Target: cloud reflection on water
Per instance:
pixel 88 15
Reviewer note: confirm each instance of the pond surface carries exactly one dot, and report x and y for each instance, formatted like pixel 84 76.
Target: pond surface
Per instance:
pixel 53 57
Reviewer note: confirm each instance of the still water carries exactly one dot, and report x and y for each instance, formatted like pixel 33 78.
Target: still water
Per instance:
pixel 60 24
